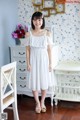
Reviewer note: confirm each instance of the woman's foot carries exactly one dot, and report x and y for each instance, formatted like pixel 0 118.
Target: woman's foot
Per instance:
pixel 38 108
pixel 43 107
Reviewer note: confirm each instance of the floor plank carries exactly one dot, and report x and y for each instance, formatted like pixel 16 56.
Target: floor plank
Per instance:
pixel 64 111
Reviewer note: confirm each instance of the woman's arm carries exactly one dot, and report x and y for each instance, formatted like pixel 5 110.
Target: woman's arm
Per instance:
pixel 28 53
pixel 28 57
pixel 50 58
pixel 49 49
pixel 49 54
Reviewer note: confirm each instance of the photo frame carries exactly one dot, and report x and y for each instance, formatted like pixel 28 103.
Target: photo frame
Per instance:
pixel 60 8
pixel 45 12
pixel 49 7
pixel 52 11
pixel 48 4
pixel 37 2
pixel 37 8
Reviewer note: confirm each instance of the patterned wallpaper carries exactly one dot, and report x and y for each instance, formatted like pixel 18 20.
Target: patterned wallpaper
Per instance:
pixel 66 27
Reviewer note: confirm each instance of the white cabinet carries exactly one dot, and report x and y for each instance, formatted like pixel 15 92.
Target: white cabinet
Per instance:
pixel 18 53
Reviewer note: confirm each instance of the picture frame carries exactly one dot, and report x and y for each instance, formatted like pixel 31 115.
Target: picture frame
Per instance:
pixel 45 12
pixel 60 8
pixel 48 4
pixel 37 8
pixel 49 7
pixel 53 11
pixel 37 2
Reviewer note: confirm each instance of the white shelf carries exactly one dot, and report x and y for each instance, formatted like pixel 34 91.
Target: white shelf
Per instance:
pixel 68 90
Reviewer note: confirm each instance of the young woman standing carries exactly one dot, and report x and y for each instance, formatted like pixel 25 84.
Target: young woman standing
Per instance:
pixel 39 62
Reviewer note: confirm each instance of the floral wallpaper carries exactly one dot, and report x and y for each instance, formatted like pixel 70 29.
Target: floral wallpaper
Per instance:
pixel 66 27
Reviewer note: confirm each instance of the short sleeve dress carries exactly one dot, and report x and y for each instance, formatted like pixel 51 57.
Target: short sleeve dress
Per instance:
pixel 39 76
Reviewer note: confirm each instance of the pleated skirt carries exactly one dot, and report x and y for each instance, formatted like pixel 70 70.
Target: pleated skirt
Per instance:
pixel 39 78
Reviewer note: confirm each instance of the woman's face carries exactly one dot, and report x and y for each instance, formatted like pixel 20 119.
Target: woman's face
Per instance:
pixel 37 22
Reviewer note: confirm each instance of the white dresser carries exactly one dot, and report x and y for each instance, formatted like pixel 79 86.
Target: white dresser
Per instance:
pixel 18 53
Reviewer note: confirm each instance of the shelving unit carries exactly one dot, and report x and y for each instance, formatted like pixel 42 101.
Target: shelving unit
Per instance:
pixel 67 77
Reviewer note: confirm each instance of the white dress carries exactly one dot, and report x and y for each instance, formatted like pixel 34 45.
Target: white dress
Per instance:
pixel 39 76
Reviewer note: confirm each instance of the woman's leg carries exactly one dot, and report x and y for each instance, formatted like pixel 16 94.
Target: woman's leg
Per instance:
pixel 35 94
pixel 36 97
pixel 43 96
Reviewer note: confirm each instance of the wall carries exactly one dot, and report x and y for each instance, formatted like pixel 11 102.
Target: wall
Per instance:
pixel 66 27
pixel 8 21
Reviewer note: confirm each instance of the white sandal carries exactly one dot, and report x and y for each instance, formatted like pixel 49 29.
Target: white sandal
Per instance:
pixel 37 109
pixel 43 109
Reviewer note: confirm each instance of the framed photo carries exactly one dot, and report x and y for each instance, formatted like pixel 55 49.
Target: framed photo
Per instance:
pixel 37 8
pixel 60 8
pixel 45 12
pixel 53 11
pixel 48 4
pixel 49 7
pixel 37 2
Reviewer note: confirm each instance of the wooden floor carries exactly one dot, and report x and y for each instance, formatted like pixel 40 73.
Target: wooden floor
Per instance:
pixel 64 110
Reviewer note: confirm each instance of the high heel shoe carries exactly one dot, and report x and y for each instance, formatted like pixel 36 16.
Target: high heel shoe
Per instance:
pixel 43 109
pixel 38 109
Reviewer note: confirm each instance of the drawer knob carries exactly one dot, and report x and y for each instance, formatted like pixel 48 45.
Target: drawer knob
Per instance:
pixel 23 86
pixel 22 70
pixel 23 78
pixel 21 53
pixel 21 62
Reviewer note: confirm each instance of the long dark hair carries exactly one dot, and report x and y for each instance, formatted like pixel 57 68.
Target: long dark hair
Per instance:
pixel 37 15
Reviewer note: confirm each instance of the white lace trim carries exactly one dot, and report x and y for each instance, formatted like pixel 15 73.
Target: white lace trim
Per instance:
pixel 38 41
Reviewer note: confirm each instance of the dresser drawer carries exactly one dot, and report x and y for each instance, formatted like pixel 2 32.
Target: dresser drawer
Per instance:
pixel 20 61
pixel 22 69
pixel 18 51
pixel 22 76
pixel 21 85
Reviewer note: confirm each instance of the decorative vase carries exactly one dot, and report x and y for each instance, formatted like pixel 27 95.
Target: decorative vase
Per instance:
pixel 17 41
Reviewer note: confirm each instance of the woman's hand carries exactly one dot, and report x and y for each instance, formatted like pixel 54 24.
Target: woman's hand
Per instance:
pixel 50 68
pixel 29 67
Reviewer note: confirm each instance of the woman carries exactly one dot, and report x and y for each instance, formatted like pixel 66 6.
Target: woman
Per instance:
pixel 39 62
